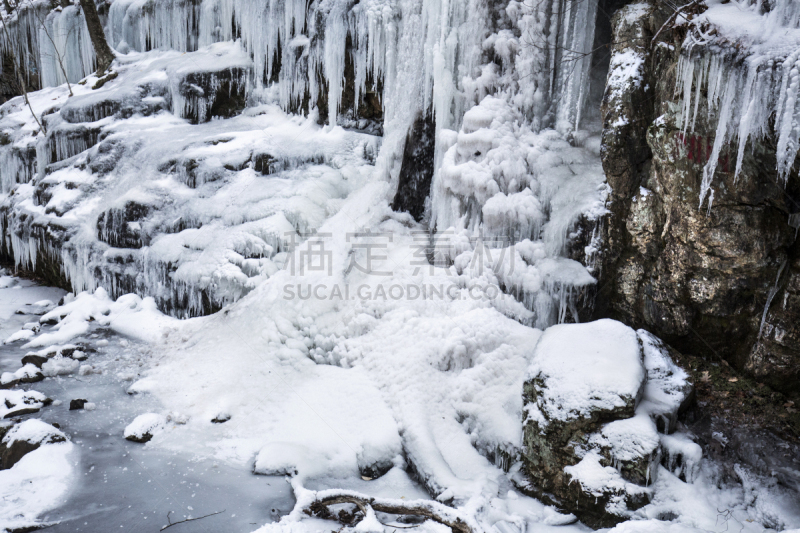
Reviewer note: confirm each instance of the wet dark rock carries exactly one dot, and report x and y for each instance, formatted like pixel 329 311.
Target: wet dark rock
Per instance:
pixel 77 404
pixel 416 171
pixel 21 411
pixel 213 94
pixel 375 470
pixel 35 378
pixel 141 439
pixel 221 418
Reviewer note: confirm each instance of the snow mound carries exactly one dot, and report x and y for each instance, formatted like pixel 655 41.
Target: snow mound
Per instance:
pixel 35 484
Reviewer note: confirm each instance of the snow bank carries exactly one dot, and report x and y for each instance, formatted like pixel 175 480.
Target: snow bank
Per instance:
pixel 36 484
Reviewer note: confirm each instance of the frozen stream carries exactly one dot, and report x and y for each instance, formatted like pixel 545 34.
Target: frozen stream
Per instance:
pixel 120 485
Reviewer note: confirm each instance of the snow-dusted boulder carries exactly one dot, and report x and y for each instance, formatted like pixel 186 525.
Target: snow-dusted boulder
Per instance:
pixel 18 402
pixel 27 374
pixel 597 398
pixel 144 427
pixel 25 437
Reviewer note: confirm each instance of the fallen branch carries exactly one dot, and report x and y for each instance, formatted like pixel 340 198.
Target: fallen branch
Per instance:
pixel 364 503
pixel 171 523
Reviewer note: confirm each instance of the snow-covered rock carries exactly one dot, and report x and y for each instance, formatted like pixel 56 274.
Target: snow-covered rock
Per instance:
pixel 17 402
pixel 25 437
pixel 29 373
pixel 144 427
pixel 35 474
pixel 594 394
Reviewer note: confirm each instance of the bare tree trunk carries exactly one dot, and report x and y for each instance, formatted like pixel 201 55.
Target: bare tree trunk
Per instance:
pixel 101 49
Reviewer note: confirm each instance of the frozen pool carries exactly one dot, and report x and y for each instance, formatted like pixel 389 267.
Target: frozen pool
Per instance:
pixel 120 485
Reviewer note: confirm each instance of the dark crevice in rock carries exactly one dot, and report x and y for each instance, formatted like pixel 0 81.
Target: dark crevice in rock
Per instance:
pixel 416 171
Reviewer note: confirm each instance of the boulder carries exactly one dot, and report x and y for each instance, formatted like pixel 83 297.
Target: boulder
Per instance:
pixel 598 398
pixel 144 427
pixel 77 404
pixel 35 360
pixel 25 437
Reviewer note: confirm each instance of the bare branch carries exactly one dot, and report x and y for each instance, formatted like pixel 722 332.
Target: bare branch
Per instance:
pixel 171 523
pixel 672 18
pixel 396 507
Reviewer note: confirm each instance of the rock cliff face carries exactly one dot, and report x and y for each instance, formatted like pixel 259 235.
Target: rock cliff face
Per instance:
pixel 721 281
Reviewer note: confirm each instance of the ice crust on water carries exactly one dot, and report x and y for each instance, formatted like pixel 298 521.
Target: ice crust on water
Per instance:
pixel 750 71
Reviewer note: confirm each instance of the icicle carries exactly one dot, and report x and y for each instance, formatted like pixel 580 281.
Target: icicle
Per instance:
pixel 772 292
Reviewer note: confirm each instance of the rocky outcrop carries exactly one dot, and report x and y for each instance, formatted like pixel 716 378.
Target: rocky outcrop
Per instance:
pixel 599 400
pixel 702 279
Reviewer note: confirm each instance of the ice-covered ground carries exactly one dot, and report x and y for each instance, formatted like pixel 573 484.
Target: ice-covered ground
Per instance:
pixel 330 393
pixel 355 351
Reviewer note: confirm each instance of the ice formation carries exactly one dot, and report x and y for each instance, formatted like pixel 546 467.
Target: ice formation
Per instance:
pixel 745 60
pixel 517 185
pixel 54 44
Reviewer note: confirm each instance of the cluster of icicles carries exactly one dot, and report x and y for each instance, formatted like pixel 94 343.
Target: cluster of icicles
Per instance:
pixel 54 44
pixel 743 93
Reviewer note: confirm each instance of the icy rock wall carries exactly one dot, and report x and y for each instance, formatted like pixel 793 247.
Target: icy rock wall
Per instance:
pixel 525 177
pixel 698 103
pixel 439 44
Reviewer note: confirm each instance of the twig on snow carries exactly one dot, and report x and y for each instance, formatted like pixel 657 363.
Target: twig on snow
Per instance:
pixel 171 523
